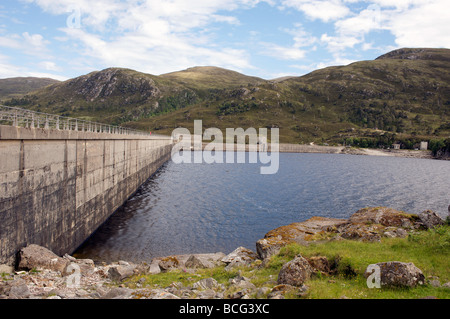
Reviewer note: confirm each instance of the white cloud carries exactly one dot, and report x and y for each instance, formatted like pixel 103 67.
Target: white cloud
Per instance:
pixel 35 41
pixel 325 10
pixel 424 25
pixel 283 53
pixel 8 70
pixel 31 44
pixel 49 65
pixel 152 36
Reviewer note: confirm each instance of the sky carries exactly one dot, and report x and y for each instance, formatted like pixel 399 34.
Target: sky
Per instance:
pixel 63 39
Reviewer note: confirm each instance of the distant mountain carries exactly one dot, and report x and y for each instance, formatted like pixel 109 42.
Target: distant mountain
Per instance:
pixel 403 95
pixel 209 77
pixel 14 87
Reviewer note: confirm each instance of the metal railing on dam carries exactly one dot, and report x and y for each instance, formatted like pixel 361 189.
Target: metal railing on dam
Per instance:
pixel 31 119
pixel 61 178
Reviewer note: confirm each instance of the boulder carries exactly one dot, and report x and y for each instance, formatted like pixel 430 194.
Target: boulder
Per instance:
pixel 15 289
pixel 241 256
pixel 86 266
pixel 118 293
pixel 320 263
pixel 121 272
pixel 382 215
pixel 295 272
pixel 162 294
pixel 170 262
pixel 154 267
pixel 241 282
pixel 301 233
pixel 430 219
pixel 207 283
pixel 198 262
pixel 38 257
pixel 267 247
pixel 5 269
pixel 397 274
pixel 358 231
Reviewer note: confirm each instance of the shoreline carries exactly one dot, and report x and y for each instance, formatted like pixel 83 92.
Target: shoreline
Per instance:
pixel 41 274
pixel 305 148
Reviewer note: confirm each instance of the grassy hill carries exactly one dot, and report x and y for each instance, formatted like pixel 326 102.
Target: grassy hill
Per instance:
pixel 403 95
pixel 209 77
pixel 15 87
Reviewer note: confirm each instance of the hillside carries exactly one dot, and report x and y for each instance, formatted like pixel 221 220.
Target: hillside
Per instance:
pixel 208 77
pixel 403 95
pixel 14 87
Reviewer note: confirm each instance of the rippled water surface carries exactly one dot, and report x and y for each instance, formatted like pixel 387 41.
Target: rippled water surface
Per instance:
pixel 199 208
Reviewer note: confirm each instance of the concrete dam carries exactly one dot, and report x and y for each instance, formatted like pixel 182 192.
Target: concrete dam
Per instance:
pixel 61 178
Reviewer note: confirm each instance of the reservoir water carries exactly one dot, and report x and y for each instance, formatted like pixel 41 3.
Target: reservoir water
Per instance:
pixel 205 208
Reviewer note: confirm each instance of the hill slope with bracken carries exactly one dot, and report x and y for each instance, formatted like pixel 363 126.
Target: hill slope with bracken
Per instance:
pixel 402 95
pixel 14 87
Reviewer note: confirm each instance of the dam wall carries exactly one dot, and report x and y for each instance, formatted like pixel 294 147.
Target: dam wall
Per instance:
pixel 58 186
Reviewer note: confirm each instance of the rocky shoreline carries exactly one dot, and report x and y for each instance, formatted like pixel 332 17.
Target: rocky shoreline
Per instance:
pixel 40 274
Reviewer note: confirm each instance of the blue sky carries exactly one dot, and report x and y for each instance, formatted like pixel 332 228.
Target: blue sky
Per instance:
pixel 62 39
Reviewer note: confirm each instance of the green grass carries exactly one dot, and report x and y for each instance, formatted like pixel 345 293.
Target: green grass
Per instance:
pixel 428 250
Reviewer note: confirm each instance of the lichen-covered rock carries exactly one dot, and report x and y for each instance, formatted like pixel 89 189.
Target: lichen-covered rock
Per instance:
pixel 38 257
pixel 267 247
pixel 301 233
pixel 430 219
pixel 168 263
pixel 207 283
pixel 361 232
pixel 198 262
pixel 295 272
pixel 382 215
pixel 397 274
pixel 320 263
pixel 241 256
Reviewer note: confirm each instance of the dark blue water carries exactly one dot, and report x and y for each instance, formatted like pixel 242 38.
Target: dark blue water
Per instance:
pixel 201 208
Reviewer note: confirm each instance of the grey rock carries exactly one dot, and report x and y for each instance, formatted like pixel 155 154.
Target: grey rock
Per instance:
pixel 5 269
pixel 118 293
pixel 262 292
pixel 430 219
pixel 242 283
pixel 154 267
pixel 241 256
pixel 162 294
pixel 295 272
pixel 267 247
pixel 120 273
pixel 389 234
pixel 446 285
pixel 198 262
pixel 240 294
pixel 435 283
pixel 34 256
pixel 401 233
pixel 398 274
pixel 207 283
pixel 207 294
pixel 19 289
pixel 170 262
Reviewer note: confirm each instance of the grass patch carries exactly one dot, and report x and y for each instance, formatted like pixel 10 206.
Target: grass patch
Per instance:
pixel 428 250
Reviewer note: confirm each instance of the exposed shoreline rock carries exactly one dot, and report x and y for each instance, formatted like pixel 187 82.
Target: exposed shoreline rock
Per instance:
pixel 41 274
pixel 367 224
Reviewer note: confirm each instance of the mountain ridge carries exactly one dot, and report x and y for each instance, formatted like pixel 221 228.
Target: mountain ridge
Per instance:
pixel 403 93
